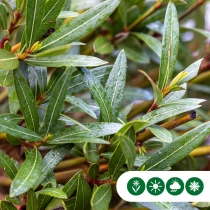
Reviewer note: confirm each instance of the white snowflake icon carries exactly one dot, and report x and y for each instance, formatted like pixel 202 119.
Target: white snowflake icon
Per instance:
pixel 194 186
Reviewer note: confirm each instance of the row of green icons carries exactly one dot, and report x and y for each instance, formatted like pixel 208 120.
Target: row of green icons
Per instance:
pixel 156 186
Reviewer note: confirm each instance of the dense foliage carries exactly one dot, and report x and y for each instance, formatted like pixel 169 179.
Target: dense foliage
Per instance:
pixel 75 117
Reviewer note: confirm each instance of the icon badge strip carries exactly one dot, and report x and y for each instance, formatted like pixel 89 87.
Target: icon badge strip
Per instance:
pixel 164 186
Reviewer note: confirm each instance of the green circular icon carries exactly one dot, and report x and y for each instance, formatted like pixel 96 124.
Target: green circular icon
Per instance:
pixel 155 186
pixel 175 186
pixel 194 186
pixel 136 186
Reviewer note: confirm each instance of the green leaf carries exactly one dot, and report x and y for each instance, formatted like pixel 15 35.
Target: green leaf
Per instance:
pixel 116 83
pixel 13 140
pixel 5 206
pixel 13 100
pixel 6 78
pixel 65 60
pixel 42 78
pixel 81 25
pixel 67 14
pixel 54 78
pixel 178 149
pixel 56 203
pixel 13 200
pixel 34 14
pixel 101 197
pixel 99 94
pixel 170 46
pixel 27 103
pixel 123 6
pixel 52 52
pixel 18 131
pixel 158 97
pixel 54 192
pixel 197 30
pixel 161 133
pixel 3 16
pixel 28 174
pixel 116 162
pixel 176 95
pixel 81 104
pixel 150 41
pixel 8 61
pixel 71 185
pixel 192 71
pixel 83 195
pixel 129 150
pixel 168 110
pixel 134 50
pixel 32 202
pixel 95 129
pixel 8 165
pixel 78 84
pixel 102 45
pixel 43 200
pixel 14 118
pixel 51 160
pixel 70 203
pixel 78 139
pixel 93 171
pixel 56 101
pixel 51 12
pixel 91 153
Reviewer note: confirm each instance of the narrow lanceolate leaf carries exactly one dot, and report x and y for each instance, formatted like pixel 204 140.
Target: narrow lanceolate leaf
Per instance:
pixel 81 25
pixel 27 102
pixel 116 162
pixel 18 131
pixel 192 72
pixel 205 33
pixel 78 139
pixel 150 41
pixel 14 118
pixel 116 83
pixel 65 60
pixel 83 196
pixel 94 129
pixel 54 192
pixel 101 197
pixel 161 133
pixel 51 12
pixel 56 203
pixel 34 14
pixel 8 61
pixel 8 165
pixel 7 206
pixel 129 150
pixel 168 110
pixel 42 78
pixel 178 149
pixel 78 84
pixel 32 202
pixel 3 15
pixel 99 95
pixel 28 174
pixel 71 185
pixel 81 104
pixel 44 199
pixel 6 77
pixel 51 160
pixel 57 100
pixel 170 46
